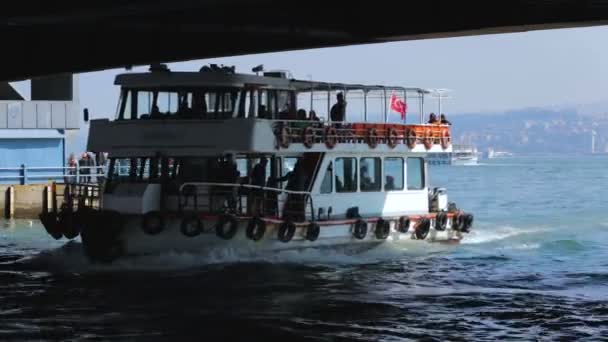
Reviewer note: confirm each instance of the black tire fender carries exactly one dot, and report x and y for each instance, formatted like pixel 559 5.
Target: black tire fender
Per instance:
pixel 191 226
pixel 313 231
pixel 360 229
pixel 231 222
pixel 383 229
pixel 286 231
pixel 153 222
pixel 404 224
pixel 423 226
pixel 441 221
pixel 256 229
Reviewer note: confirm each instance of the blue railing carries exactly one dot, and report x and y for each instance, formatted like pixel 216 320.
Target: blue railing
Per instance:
pixel 45 174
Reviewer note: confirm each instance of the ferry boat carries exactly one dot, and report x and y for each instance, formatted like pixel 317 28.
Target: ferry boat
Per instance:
pixel 464 155
pixel 214 159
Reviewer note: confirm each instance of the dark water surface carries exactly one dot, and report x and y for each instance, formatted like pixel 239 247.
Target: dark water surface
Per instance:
pixel 535 268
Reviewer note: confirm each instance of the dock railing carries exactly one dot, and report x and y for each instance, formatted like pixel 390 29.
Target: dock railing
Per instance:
pixel 44 174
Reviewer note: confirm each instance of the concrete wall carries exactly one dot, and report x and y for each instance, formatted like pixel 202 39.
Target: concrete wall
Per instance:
pixel 27 200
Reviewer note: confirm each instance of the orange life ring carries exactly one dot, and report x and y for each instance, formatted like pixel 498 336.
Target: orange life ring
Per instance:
pixel 391 137
pixel 330 137
pixel 372 137
pixel 445 139
pixel 308 137
pixel 428 139
pixel 411 138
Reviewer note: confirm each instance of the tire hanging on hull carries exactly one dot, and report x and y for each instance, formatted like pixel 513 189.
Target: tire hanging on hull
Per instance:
pixel 286 231
pixel 191 226
pixel 313 231
pixel 256 229
pixel 360 229
pixel 230 222
pixel 441 222
pixel 383 229
pixel 422 228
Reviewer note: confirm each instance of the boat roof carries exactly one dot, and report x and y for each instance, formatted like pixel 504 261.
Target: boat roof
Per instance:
pixel 219 79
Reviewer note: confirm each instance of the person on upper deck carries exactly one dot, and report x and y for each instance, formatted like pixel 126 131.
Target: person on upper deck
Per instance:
pixel 338 110
pixel 433 119
pixel 443 120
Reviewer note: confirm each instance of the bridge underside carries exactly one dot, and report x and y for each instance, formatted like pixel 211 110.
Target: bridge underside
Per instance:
pixel 48 37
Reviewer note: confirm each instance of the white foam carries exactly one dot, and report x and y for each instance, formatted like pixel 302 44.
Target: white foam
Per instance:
pixel 478 236
pixel 70 257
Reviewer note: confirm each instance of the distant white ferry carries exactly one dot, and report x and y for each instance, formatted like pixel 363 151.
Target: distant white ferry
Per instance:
pixel 464 155
pixel 460 155
pixel 498 154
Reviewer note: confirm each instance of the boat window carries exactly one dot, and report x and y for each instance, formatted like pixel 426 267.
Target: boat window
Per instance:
pixel 288 164
pixel 122 169
pixel 124 109
pixel 346 174
pixel 144 103
pixel 371 178
pixel 167 102
pixel 326 185
pixel 415 173
pixel 393 171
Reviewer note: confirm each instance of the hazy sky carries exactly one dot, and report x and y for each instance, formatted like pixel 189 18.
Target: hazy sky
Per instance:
pixel 486 73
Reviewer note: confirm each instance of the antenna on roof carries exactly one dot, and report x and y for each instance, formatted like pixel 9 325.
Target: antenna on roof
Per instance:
pixel 258 69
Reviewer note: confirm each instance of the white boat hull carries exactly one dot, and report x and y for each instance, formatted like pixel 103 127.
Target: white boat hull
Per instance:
pixel 465 161
pixel 136 242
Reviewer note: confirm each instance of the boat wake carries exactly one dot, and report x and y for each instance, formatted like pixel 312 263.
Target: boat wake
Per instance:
pixel 70 257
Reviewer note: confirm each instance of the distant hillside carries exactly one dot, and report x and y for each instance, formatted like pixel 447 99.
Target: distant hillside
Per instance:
pixel 532 130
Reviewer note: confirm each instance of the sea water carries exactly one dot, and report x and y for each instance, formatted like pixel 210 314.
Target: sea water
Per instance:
pixel 535 267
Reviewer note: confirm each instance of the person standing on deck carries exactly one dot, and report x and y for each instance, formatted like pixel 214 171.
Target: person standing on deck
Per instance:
pixel 258 178
pixel 338 110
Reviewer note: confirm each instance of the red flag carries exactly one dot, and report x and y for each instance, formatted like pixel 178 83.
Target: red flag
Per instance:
pixel 398 106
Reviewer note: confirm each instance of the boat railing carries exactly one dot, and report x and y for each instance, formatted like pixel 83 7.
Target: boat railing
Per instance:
pixel 310 132
pixel 76 196
pixel 245 200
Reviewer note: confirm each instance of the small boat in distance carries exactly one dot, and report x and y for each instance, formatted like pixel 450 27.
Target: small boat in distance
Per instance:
pixel 464 155
pixel 492 154
pixel 215 160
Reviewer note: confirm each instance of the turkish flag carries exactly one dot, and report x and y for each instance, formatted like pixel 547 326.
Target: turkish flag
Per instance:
pixel 398 106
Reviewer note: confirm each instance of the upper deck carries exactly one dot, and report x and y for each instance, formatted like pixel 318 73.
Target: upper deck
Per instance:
pixel 216 110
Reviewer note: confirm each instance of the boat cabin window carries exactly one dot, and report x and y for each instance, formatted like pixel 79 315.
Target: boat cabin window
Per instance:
pixel 346 174
pixel 206 103
pixel 326 184
pixel 371 179
pixel 393 171
pixel 415 173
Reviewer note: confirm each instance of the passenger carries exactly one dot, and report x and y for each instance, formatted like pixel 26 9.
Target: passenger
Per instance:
pixel 390 183
pixel 230 174
pixel 366 180
pixel 296 181
pixel 301 114
pixel 71 174
pixel 184 111
pixel 262 114
pixel 313 116
pixel 338 110
pixel 432 119
pixel 155 112
pixel 85 165
pixel 444 121
pixel 258 178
